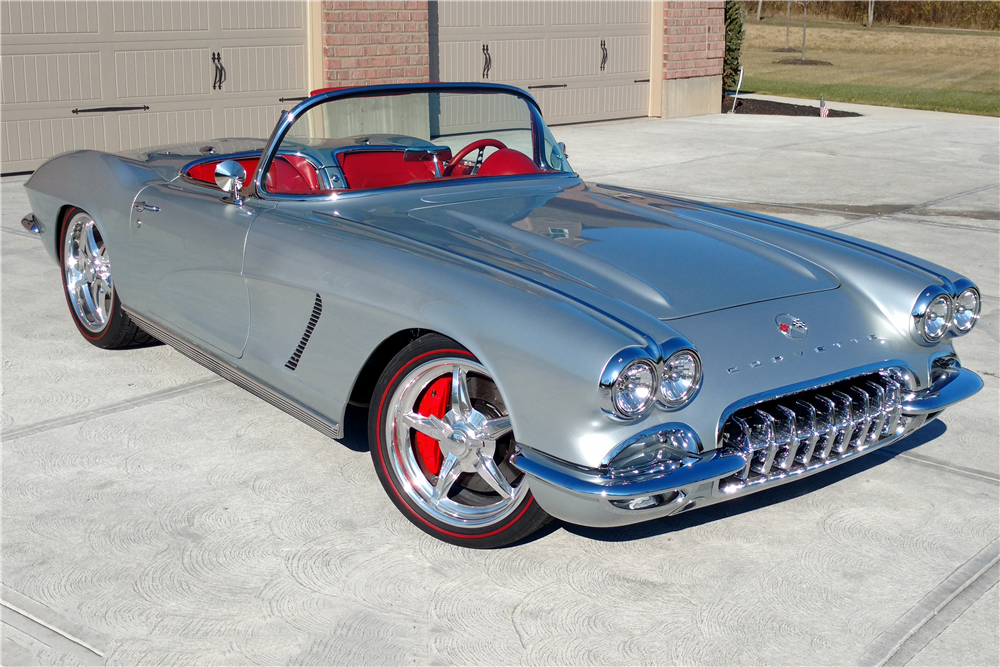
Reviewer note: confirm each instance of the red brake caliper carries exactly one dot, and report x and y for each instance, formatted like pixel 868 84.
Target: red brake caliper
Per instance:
pixel 434 403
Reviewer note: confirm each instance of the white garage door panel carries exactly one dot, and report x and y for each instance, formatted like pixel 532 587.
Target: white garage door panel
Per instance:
pixel 244 121
pixel 57 57
pixel 150 17
pixel 264 68
pixel 51 77
pixel 34 140
pixel 152 73
pixel 554 49
pixel 138 130
pixel 19 17
pixel 517 60
pixel 258 15
pixel 461 61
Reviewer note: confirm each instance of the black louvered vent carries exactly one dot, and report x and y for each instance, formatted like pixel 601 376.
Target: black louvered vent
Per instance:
pixel 293 362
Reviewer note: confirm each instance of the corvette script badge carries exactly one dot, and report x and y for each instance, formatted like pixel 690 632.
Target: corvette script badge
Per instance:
pixel 792 327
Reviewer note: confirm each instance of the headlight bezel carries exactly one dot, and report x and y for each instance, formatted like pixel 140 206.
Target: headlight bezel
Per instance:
pixel 693 388
pixel 924 307
pixel 965 287
pixel 654 357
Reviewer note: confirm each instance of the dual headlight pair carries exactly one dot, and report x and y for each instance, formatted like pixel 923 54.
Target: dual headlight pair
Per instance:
pixel 938 311
pixel 637 378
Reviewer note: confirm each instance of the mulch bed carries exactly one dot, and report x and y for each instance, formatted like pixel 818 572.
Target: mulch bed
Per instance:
pixel 799 61
pixel 769 108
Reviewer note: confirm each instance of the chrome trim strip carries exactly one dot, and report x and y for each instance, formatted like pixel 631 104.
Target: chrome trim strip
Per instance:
pixel 307 416
pixel 709 467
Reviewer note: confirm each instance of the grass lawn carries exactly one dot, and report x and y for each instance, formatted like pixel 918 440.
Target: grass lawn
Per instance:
pixel 918 68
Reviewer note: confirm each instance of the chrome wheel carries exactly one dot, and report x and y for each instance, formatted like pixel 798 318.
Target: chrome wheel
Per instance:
pixel 87 273
pixel 449 442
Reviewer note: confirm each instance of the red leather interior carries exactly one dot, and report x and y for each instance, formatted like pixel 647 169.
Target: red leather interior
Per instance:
pixel 380 169
pixel 508 162
pixel 306 170
pixel 283 178
pixel 205 171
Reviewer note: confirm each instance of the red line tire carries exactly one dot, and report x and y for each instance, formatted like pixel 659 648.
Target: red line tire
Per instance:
pixel 469 495
pixel 88 286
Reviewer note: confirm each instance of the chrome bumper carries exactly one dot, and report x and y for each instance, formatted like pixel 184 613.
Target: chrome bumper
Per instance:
pixel 592 497
pixel 30 222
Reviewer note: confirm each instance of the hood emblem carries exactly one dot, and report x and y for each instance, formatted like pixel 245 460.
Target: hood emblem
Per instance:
pixel 792 327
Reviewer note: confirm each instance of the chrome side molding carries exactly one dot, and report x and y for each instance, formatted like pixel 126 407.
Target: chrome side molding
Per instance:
pixel 307 416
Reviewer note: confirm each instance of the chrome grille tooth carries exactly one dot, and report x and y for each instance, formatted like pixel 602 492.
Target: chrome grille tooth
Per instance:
pixel 765 431
pixel 806 419
pixel 878 422
pixel 826 424
pixel 743 474
pixel 787 437
pixel 862 416
pixel 845 421
pixel 893 405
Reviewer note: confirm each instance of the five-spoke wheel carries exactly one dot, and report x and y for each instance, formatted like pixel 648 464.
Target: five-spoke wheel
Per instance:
pixel 90 290
pixel 442 442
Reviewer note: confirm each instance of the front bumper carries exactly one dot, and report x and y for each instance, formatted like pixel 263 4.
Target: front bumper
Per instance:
pixel 594 497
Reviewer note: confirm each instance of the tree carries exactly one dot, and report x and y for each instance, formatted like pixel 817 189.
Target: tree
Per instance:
pixel 760 3
pixel 871 12
pixel 735 32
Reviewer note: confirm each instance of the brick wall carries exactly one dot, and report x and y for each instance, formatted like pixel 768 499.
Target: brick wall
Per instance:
pixel 694 39
pixel 375 41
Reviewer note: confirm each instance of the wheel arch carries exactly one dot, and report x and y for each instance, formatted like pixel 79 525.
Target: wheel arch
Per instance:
pixel 367 378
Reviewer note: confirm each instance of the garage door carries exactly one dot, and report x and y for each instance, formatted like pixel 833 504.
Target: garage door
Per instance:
pixel 126 74
pixel 581 60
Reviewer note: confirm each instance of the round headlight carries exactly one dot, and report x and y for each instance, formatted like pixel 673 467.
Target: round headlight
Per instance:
pixel 680 379
pixel 934 322
pixel 967 307
pixel 633 391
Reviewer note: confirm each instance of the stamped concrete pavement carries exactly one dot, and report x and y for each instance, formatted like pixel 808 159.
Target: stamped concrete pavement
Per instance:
pixel 155 514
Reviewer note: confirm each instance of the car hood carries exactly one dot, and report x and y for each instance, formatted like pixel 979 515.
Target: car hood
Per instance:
pixel 669 263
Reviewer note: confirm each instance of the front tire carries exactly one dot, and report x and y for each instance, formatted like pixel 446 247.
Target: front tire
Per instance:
pixel 89 288
pixel 441 440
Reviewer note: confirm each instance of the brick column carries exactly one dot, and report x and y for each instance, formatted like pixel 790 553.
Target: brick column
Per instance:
pixel 375 41
pixel 694 48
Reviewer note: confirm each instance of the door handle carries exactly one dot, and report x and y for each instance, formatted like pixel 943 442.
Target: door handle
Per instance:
pixel 604 54
pixel 143 206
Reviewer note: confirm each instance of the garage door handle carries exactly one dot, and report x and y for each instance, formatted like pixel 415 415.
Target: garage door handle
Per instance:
pixel 604 55
pixel 487 61
pixel 220 71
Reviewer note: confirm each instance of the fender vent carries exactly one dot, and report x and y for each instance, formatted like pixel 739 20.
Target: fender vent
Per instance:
pixel 293 362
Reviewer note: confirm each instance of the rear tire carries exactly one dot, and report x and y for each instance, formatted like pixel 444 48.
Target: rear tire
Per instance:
pixel 441 440
pixel 89 288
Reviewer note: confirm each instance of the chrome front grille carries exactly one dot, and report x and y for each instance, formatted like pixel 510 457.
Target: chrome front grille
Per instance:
pixel 813 428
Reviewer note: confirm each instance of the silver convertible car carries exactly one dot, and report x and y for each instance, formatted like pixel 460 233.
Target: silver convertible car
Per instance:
pixel 528 346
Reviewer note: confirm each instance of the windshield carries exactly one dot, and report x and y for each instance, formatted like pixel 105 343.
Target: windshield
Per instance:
pixel 357 143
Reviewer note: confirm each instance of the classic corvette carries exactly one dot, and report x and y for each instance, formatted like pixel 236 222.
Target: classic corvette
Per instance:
pixel 528 346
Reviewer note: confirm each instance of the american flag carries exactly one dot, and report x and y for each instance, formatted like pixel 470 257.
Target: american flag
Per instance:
pixel 823 111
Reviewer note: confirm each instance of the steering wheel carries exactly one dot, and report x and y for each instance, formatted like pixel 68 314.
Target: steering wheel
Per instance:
pixel 481 144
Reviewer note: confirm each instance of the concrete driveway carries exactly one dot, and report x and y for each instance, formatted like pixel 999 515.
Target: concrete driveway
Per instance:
pixel 153 513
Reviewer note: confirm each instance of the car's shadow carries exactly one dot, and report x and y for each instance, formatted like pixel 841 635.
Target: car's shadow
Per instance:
pixel 356 439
